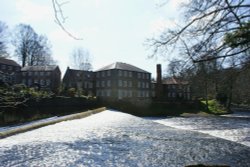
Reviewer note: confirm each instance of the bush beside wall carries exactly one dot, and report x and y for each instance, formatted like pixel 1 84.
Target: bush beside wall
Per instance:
pixel 46 107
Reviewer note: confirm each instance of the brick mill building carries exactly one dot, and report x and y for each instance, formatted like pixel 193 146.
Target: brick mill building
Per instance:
pixel 122 81
pixel 82 81
pixel 9 71
pixel 45 77
pixel 115 81
pixel 171 88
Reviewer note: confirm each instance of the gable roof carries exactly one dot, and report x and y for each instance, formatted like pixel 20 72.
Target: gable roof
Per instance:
pixel 39 68
pixel 121 66
pixel 9 62
pixel 174 80
pixel 73 74
pixel 77 73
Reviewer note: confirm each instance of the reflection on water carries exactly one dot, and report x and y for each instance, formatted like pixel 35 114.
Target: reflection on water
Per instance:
pixel 234 127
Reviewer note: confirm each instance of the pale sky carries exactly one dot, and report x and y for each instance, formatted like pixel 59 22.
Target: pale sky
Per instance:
pixel 112 30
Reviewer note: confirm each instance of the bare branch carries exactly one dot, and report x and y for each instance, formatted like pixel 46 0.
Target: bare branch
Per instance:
pixel 60 18
pixel 209 58
pixel 209 23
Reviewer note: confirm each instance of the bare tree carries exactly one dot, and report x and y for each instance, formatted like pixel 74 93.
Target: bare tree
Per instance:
pixel 31 48
pixel 81 59
pixel 214 29
pixel 3 40
pixel 41 52
pixel 23 40
pixel 175 67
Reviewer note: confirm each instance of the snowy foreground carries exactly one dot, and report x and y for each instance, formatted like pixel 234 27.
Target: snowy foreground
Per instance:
pixel 112 138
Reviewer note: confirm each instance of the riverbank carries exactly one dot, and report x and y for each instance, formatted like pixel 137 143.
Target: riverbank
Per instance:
pixel 171 108
pixel 35 109
pixel 8 131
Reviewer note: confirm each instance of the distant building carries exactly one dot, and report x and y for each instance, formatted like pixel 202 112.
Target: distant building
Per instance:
pixel 176 89
pixel 170 89
pixel 122 81
pixel 9 70
pixel 46 77
pixel 81 80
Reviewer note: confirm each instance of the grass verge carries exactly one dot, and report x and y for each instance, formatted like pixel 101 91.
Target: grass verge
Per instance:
pixel 214 107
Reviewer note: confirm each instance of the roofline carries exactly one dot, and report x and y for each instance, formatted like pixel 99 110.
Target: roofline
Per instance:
pixel 56 66
pixel 78 70
pixel 13 62
pixel 116 68
pixel 122 69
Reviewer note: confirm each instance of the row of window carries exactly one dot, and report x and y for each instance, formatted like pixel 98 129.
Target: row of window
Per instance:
pixel 143 76
pixel 122 83
pixel 174 95
pixel 36 73
pixel 103 74
pixel 87 85
pixel 129 93
pixel 178 87
pixel 143 85
pixel 173 87
pixel 103 84
pixel 103 93
pixel 142 93
pixel 122 93
pixel 79 74
pixel 10 68
pixel 42 82
pixel 7 78
pixel 123 73
pixel 125 84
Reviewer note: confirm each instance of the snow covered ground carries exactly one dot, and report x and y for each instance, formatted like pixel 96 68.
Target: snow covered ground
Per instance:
pixel 113 138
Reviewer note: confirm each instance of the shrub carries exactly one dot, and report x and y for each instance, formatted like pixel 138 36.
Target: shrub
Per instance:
pixel 19 87
pixel 215 107
pixel 71 92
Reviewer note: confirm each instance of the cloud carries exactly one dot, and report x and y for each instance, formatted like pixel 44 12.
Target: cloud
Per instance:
pixel 160 24
pixel 172 4
pixel 175 4
pixel 31 11
pixel 58 35
pixel 98 3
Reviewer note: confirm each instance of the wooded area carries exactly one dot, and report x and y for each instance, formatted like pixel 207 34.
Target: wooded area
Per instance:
pixel 214 48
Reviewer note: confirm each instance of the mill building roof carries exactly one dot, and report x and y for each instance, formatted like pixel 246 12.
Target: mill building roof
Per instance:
pixel 39 68
pixel 122 66
pixel 8 62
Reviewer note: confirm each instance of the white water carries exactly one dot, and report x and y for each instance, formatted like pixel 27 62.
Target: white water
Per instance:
pixel 113 138
pixel 233 127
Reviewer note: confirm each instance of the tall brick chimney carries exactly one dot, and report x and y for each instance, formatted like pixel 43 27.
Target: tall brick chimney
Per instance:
pixel 158 82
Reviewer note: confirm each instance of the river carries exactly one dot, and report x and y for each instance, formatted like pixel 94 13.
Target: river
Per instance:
pixel 234 127
pixel 112 138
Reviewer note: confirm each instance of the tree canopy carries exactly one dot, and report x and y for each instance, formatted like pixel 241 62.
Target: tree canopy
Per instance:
pixel 31 48
pixel 214 29
pixel 3 40
pixel 81 59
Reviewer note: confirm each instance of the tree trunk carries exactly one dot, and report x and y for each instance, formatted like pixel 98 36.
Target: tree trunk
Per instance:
pixel 206 94
pixel 230 95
